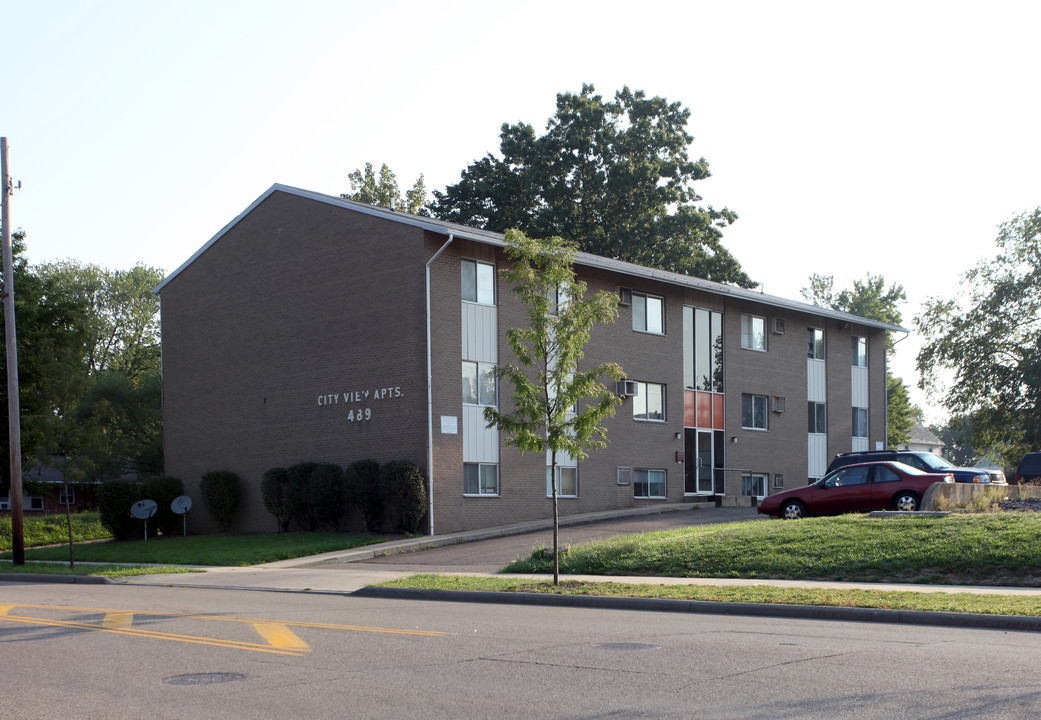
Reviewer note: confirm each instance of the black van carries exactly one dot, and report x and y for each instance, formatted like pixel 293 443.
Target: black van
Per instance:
pixel 925 461
pixel 1029 468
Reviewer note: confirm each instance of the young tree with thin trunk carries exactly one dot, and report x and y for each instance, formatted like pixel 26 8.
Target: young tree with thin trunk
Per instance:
pixel 556 406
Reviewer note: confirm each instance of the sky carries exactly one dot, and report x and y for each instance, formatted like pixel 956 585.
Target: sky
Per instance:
pixel 890 138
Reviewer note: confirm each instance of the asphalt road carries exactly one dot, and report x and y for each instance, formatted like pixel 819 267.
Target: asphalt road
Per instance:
pixel 128 651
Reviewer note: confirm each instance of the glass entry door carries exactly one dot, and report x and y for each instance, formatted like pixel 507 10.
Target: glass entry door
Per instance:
pixel 703 456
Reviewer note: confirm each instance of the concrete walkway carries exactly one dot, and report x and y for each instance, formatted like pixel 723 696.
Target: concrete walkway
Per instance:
pixel 485 552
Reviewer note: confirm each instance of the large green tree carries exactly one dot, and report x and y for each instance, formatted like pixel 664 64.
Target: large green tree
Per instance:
pixel 556 406
pixel 871 299
pixel 982 353
pixel 383 190
pixel 614 176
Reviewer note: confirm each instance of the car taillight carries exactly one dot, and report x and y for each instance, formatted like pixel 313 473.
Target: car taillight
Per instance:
pixel 948 478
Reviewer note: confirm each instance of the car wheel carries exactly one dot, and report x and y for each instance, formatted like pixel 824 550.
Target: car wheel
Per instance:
pixel 792 510
pixel 905 501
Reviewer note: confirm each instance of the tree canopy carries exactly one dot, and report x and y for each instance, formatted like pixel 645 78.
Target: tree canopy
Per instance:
pixel 612 176
pixel 383 190
pixel 982 354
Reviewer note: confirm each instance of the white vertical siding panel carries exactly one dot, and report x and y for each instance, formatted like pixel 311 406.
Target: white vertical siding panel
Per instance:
pixel 860 444
pixel 817 455
pixel 859 383
pixel 479 333
pixel 816 382
pixel 480 444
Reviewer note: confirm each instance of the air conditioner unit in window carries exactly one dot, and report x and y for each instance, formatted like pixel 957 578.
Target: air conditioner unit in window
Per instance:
pixel 5 505
pixel 777 404
pixel 625 475
pixel 625 296
pixel 778 326
pixel 626 388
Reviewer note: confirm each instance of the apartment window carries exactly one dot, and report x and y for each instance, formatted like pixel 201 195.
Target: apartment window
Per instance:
pixel 816 344
pixel 818 418
pixel 557 298
pixel 479 384
pixel 649 402
pixel 63 500
pixel 480 479
pixel 567 482
pixel 753 485
pixel 648 313
pixel 859 351
pixel 860 422
pixel 478 282
pixel 753 333
pixel 648 483
pixel 753 412
pixel 35 503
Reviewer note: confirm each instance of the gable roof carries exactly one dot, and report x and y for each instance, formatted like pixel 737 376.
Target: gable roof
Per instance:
pixel 581 258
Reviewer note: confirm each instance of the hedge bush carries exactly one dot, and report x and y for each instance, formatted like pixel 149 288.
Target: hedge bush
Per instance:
pixel 301 504
pixel 221 493
pixel 362 484
pixel 115 498
pixel 405 495
pixel 274 491
pixel 163 489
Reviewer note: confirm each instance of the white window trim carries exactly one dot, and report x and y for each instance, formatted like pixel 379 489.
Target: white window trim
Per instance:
pixel 825 406
pixel 549 490
pixel 480 366
pixel 498 481
pixel 766 412
pixel 824 345
pixel 750 334
pixel 642 393
pixel 645 296
pixel 867 420
pixel 477 283
pixel 665 484
pixel 764 478
pixel 860 339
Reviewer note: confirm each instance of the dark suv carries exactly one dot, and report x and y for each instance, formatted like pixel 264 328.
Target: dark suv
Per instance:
pixel 1029 470
pixel 924 461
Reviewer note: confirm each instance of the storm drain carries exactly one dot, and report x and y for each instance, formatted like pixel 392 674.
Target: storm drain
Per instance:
pixel 628 646
pixel 204 678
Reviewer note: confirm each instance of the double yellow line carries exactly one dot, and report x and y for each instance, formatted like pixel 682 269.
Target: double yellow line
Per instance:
pixel 281 640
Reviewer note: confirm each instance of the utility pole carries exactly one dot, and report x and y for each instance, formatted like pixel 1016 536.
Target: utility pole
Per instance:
pixel 13 411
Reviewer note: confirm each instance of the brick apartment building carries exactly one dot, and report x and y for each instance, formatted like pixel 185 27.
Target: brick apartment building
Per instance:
pixel 316 328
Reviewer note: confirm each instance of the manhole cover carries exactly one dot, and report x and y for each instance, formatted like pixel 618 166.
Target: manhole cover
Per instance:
pixel 204 679
pixel 628 646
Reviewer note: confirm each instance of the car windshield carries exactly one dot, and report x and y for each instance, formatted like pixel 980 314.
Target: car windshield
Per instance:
pixel 935 462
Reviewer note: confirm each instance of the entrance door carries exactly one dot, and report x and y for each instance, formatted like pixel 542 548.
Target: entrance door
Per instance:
pixel 700 456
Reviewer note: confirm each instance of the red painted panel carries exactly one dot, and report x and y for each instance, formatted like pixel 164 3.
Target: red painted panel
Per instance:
pixel 688 408
pixel 704 410
pixel 717 412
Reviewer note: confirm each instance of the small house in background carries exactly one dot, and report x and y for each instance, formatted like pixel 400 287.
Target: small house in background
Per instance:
pixel 313 328
pixel 923 440
pixel 44 488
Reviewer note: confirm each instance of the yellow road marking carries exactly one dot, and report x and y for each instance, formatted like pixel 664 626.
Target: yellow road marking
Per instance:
pixel 280 636
pixel 321 626
pixel 4 609
pixel 118 620
pixel 234 644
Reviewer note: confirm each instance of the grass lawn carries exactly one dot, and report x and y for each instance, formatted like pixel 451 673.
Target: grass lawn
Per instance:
pixel 881 599
pixel 53 529
pixel 961 549
pixel 111 571
pixel 205 549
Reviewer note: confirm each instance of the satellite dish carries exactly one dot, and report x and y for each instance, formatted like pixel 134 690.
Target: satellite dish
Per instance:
pixel 143 509
pixel 181 505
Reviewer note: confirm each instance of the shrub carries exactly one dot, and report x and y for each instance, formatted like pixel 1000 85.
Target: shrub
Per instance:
pixel 163 489
pixel 221 492
pixel 301 504
pixel 115 498
pixel 405 493
pixel 274 490
pixel 362 481
pixel 327 494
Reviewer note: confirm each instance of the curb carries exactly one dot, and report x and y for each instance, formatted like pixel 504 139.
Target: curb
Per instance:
pixel 808 612
pixel 45 578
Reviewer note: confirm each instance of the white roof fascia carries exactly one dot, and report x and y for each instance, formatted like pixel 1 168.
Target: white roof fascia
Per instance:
pixel 581 258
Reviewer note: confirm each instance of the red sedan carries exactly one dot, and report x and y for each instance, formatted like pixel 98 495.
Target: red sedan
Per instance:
pixel 856 488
